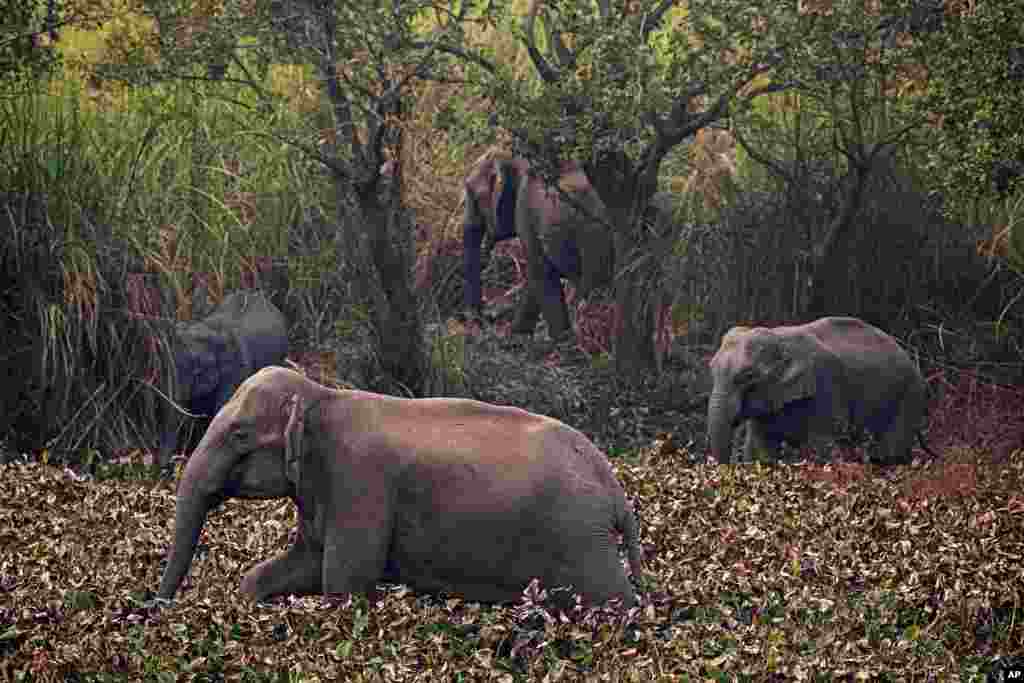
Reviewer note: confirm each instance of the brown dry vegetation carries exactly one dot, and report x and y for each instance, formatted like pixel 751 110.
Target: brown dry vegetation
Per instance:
pixel 753 573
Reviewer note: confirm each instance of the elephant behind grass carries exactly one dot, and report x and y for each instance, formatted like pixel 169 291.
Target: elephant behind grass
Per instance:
pixel 213 356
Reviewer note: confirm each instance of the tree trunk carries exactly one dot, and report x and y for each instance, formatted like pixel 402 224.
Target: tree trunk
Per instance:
pixel 634 327
pixel 827 256
pixel 638 277
pixel 386 251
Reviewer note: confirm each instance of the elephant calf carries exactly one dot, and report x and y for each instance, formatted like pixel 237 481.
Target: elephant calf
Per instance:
pixel 213 356
pixel 440 494
pixel 791 383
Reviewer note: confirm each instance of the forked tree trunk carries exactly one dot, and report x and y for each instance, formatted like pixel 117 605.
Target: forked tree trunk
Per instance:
pixel 386 271
pixel 829 256
pixel 636 269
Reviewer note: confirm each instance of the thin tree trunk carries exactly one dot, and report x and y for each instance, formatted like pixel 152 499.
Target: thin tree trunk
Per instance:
pixel 827 261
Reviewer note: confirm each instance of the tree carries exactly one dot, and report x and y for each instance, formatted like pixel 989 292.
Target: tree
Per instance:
pixel 28 28
pixel 365 57
pixel 974 92
pixel 619 85
pixel 852 83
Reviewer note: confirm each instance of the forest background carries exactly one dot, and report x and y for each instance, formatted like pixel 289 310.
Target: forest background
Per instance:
pixel 831 158
pixel 823 156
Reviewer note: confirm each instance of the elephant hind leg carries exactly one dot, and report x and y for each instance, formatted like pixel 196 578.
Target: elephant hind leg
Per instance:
pixel 297 570
pixel 891 449
pixel 555 311
pixel 893 446
pixel 758 442
pixel 528 314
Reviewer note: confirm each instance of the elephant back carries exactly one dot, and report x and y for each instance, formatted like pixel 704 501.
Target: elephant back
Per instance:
pixel 259 328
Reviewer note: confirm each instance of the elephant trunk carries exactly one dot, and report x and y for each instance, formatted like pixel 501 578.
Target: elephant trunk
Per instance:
pixel 189 518
pixel 723 409
pixel 200 490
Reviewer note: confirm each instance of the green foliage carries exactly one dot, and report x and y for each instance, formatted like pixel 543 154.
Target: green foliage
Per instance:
pixel 612 80
pixel 25 51
pixel 975 87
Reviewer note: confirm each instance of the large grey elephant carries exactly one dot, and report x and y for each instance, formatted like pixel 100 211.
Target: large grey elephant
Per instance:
pixel 793 383
pixel 564 230
pixel 441 494
pixel 213 356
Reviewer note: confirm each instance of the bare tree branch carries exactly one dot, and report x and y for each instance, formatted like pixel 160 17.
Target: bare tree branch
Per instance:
pixel 762 158
pixel 546 72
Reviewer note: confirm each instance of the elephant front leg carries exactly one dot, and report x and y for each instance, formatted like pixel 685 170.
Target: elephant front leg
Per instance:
pixel 757 442
pixel 528 314
pixel 297 570
pixel 553 304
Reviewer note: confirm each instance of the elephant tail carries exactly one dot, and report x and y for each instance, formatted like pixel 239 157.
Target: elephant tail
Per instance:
pixel 627 526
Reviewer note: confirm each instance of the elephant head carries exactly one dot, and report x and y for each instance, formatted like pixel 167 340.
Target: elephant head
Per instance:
pixel 201 366
pixel 756 372
pixel 213 355
pixel 252 449
pixel 489 213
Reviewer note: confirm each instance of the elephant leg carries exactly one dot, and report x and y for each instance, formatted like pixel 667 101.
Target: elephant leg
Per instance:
pixel 472 237
pixel 356 556
pixel 505 212
pixel 528 313
pixel 567 260
pixel 555 311
pixel 297 570
pixel 893 445
pixel 757 441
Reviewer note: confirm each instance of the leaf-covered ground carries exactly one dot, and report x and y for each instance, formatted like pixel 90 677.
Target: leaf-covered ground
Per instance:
pixel 789 572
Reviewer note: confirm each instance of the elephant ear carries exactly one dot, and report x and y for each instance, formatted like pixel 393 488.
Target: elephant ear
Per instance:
pixel 797 376
pixel 303 468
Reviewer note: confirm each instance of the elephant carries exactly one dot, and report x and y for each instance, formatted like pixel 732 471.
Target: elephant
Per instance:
pixel 565 236
pixel 441 494
pixel 213 356
pixel 792 383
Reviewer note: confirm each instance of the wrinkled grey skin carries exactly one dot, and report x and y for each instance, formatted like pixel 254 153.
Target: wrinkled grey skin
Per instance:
pixel 213 356
pixel 793 383
pixel 440 494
